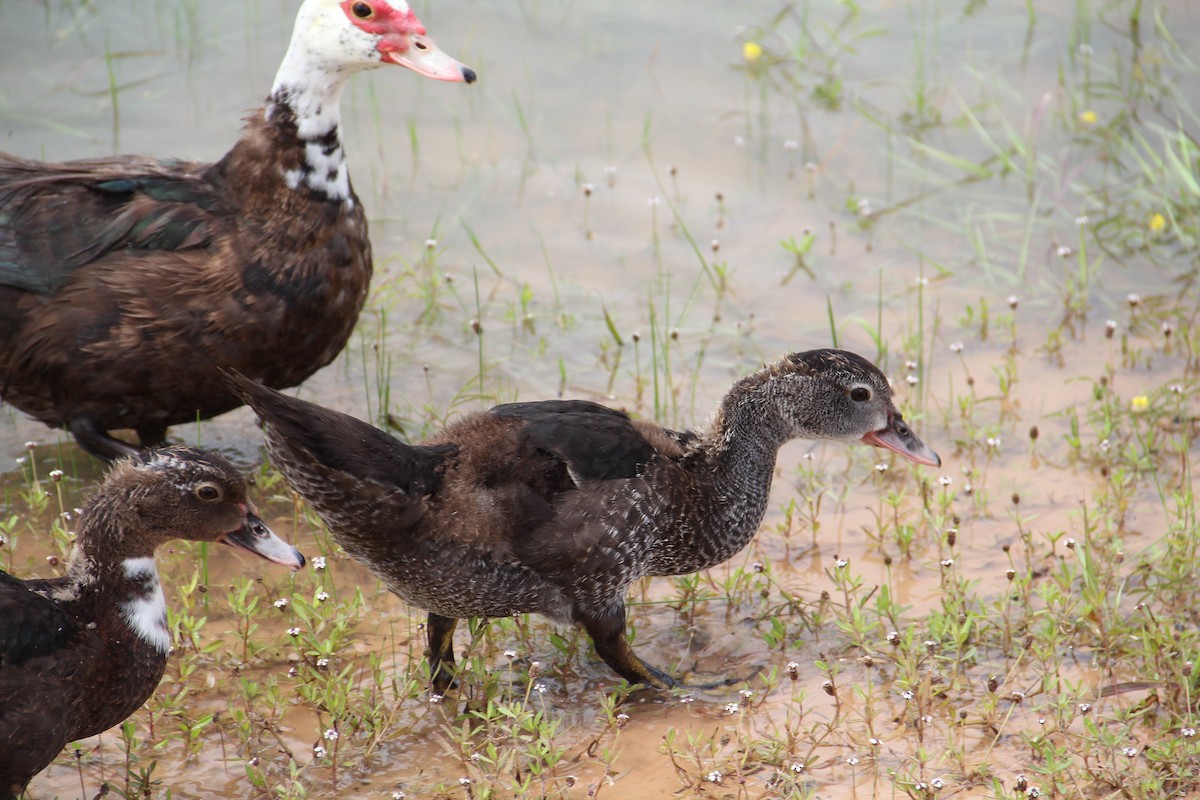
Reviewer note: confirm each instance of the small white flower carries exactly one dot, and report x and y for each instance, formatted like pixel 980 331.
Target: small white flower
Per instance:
pixel 1129 752
pixel 430 244
pixel 510 654
pixel 293 672
pixel 881 467
pixel 1133 298
pixel 587 189
pixel 330 735
pixel 791 144
pixel 322 596
pixel 1081 220
pixel 686 700
pixel 318 751
pixel 956 347
pixel 714 776
pixel 281 602
pixel 1104 445
pixel 907 694
pixel 921 281
pixel 399 796
pixel 746 694
pixel 1064 251
pixel 1188 733
pixel 293 631
pixel 911 365
pixel 852 761
pixel 810 167
pixel 476 758
pixel 841 563
pixel 795 767
pixel 434 699
pixel 732 708
pixel 993 441
pixel 540 688
pixel 318 563
pixel 1013 301
pixel 464 781
pixel 739 140
pixel 947 562
pixel 322 662
pixel 1085 708
pixel 945 480
pixel 1085 49
pixel 56 475
pixel 911 380
pixel 653 200
pixel 874 742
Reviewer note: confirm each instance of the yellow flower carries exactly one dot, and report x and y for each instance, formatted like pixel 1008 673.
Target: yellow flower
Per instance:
pixel 1140 403
pixel 1088 117
pixel 1157 223
pixel 752 51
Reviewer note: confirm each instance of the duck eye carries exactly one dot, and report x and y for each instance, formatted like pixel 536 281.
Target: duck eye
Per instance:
pixel 363 10
pixel 207 491
pixel 860 394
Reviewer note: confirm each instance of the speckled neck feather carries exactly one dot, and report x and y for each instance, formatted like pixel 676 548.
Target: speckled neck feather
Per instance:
pixel 305 101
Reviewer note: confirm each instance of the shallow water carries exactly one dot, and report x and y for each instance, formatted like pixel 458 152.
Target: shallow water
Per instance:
pixel 696 164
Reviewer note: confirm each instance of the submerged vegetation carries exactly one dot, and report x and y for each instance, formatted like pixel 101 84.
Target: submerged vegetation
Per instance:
pixel 1000 204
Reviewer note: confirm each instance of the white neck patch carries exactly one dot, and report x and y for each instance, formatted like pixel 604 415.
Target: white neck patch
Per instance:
pixel 146 614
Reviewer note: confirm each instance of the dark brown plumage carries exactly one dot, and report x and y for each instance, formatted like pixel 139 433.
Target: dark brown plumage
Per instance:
pixel 557 507
pixel 79 654
pixel 127 282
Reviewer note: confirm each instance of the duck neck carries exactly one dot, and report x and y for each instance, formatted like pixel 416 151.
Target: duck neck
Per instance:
pixel 305 101
pixel 736 461
pixel 116 570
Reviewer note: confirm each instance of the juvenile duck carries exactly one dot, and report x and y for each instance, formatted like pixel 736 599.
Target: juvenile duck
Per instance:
pixel 80 653
pixel 126 282
pixel 557 506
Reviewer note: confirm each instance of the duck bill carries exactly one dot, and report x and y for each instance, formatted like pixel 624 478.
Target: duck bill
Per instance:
pixel 420 54
pixel 899 438
pixel 255 537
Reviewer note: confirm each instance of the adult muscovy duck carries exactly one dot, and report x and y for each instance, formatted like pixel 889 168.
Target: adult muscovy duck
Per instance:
pixel 126 283
pixel 557 506
pixel 80 653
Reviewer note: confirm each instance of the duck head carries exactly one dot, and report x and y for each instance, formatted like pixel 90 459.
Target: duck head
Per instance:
pixel 350 35
pixel 846 398
pixel 184 493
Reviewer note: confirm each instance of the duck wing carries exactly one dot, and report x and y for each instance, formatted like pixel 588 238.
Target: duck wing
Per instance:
pixel 57 218
pixel 594 442
pixel 31 624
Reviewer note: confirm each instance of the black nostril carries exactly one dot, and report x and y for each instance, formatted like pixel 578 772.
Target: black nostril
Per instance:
pixel 468 74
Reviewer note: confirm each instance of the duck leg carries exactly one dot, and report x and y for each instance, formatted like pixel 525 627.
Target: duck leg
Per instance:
pixel 151 434
pixel 92 437
pixel 607 630
pixel 439 631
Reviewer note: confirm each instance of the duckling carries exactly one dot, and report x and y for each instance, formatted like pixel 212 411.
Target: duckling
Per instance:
pixel 557 506
pixel 127 282
pixel 80 653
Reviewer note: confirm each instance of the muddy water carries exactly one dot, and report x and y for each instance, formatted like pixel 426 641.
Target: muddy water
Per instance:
pixel 652 107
